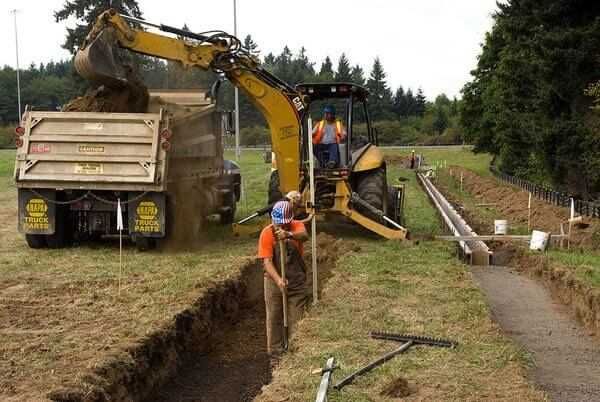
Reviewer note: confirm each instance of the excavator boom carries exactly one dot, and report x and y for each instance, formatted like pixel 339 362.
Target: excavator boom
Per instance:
pixel 97 61
pixel 282 106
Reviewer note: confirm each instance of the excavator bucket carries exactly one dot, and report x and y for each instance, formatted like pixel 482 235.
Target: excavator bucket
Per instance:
pixel 97 61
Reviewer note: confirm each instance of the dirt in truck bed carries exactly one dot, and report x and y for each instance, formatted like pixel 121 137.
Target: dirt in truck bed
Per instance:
pixel 132 98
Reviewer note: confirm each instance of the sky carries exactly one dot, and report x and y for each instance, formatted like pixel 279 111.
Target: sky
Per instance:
pixel 431 44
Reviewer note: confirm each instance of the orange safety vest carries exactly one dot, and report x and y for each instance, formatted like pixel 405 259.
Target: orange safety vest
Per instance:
pixel 318 135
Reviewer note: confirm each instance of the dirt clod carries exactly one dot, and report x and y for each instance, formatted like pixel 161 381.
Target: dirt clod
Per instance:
pixel 398 388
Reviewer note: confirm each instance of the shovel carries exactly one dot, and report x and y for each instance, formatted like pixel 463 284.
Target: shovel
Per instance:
pixel 283 258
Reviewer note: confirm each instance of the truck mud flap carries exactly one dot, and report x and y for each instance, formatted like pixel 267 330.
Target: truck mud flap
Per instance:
pixel 37 211
pixel 146 215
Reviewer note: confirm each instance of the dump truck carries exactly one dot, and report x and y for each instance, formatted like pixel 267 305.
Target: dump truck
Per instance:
pixel 163 170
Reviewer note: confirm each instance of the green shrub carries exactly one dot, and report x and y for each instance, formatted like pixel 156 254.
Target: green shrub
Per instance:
pixel 7 137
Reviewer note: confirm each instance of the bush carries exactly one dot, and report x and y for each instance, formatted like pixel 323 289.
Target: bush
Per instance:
pixel 7 137
pixel 255 135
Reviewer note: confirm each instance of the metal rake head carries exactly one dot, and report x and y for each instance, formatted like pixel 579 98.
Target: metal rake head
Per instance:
pixel 417 340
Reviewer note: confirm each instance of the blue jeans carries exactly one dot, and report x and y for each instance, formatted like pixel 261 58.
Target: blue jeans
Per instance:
pixel 327 154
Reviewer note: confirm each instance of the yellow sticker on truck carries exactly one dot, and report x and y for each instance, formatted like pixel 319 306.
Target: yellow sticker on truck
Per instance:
pixel 89 168
pixel 36 215
pixel 147 220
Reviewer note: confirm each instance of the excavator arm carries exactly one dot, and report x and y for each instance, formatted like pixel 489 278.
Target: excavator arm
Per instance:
pixel 280 104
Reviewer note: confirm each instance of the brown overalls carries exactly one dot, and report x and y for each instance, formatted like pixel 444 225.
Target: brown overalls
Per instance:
pixel 295 272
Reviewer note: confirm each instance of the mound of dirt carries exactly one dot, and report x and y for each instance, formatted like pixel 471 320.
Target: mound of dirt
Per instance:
pixel 512 202
pixel 398 388
pixel 131 98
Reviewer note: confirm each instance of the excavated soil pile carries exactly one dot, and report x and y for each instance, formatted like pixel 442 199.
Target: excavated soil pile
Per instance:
pixel 131 98
pixel 511 202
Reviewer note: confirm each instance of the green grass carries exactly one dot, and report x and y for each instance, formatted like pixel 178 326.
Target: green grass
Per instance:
pixel 74 292
pixel 585 264
pixel 448 156
pixel 420 289
pixel 71 297
pixel 7 162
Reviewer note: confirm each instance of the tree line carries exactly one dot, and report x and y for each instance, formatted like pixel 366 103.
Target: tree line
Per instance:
pixel 402 115
pixel 532 96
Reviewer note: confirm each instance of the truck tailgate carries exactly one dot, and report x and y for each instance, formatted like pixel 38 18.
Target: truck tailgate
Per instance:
pixel 104 148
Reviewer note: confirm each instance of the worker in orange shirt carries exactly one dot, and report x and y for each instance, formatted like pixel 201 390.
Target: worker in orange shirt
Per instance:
pixel 326 137
pixel 294 234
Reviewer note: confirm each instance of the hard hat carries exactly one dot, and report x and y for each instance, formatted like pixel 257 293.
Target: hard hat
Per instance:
pixel 329 109
pixel 293 196
pixel 281 213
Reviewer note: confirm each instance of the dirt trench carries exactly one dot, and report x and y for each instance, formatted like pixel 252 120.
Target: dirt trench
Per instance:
pixel 215 350
pixel 237 366
pixel 566 358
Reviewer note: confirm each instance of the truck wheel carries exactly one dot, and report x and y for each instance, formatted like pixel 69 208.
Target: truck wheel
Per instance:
pixel 35 241
pixel 144 243
pixel 58 239
pixel 274 192
pixel 371 187
pixel 228 216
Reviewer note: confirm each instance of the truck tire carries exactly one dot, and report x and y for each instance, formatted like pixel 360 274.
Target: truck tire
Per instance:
pixel 35 241
pixel 228 216
pixel 143 243
pixel 371 186
pixel 59 237
pixel 274 192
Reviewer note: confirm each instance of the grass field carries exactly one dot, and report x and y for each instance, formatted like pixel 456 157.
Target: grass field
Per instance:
pixel 420 289
pixel 60 309
pixel 63 312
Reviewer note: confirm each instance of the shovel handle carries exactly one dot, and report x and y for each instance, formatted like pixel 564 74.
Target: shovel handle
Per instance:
pixel 283 258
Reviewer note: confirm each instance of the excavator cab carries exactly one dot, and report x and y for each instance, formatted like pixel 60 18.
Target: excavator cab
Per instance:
pixel 356 185
pixel 350 103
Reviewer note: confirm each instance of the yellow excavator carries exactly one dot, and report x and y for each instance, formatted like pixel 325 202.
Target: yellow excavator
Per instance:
pixel 356 188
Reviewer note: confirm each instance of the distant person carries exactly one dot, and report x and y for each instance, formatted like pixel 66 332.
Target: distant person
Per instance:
pixel 326 137
pixel 412 159
pixel 294 234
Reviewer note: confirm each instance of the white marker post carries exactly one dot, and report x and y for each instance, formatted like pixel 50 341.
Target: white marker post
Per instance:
pixel 529 214
pixel 571 217
pixel 313 221
pixel 120 229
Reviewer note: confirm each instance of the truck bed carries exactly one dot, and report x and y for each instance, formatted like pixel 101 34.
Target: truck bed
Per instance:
pixel 104 151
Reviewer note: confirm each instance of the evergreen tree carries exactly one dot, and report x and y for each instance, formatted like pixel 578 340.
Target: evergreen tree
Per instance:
pixel 326 72
pixel 381 95
pixel 357 75
pixel 344 73
pixel 410 103
pixel 399 103
pixel 420 103
pixel 440 121
pixel 526 102
pixel 85 13
pixel 250 46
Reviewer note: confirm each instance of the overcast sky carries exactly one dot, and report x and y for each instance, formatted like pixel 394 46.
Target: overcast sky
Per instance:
pixel 429 43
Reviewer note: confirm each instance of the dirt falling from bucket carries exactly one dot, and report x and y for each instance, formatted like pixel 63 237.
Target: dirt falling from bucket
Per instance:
pixel 133 97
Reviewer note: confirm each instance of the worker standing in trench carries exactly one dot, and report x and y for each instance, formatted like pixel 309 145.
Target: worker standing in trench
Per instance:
pixel 294 234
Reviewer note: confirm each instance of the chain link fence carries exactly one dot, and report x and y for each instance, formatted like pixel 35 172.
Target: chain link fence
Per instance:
pixel 550 196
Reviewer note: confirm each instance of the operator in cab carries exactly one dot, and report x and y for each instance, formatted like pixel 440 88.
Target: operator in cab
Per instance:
pixel 293 234
pixel 326 137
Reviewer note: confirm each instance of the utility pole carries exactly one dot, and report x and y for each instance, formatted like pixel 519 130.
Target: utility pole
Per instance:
pixel 236 93
pixel 14 11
